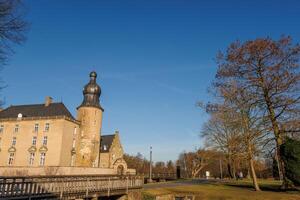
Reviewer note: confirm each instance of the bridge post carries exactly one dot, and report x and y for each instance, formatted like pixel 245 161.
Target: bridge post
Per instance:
pixel 61 190
pixel 127 182
pixel 108 188
pixel 87 188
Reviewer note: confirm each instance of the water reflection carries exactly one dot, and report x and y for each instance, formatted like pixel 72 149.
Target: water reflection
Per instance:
pixel 176 197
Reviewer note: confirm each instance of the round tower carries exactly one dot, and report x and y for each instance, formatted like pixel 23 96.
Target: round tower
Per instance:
pixel 89 113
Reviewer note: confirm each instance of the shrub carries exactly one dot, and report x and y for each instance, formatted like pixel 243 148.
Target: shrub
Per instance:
pixel 290 153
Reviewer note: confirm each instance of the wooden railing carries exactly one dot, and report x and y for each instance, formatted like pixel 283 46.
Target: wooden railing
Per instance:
pixel 67 186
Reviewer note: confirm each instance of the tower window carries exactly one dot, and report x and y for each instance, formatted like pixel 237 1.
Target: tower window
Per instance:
pixel 73 143
pixel 11 158
pixel 45 140
pixel 36 128
pixel 31 158
pixel 1 128
pixel 75 131
pixel 14 141
pixel 73 160
pixel 42 159
pixel 47 127
pixel 34 140
pixel 16 128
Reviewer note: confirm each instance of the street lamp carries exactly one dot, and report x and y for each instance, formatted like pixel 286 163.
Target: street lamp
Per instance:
pixel 150 171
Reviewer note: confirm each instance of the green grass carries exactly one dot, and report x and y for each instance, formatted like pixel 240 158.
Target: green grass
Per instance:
pixel 231 190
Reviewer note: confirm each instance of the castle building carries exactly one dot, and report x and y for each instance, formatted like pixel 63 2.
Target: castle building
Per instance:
pixel 44 135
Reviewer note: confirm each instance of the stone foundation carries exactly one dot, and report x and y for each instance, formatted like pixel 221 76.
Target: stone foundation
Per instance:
pixel 48 171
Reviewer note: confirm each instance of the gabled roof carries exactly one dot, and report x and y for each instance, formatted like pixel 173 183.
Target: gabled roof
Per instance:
pixel 106 142
pixel 36 110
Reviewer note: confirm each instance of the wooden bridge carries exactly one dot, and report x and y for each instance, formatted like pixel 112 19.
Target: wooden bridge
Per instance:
pixel 67 187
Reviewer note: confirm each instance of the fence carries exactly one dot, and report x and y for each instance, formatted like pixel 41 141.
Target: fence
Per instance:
pixel 67 186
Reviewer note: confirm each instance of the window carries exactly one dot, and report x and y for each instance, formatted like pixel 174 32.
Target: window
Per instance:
pixel 36 128
pixel 11 158
pixel 73 160
pixel 94 163
pixel 34 140
pixel 31 158
pixel 74 143
pixel 75 131
pixel 45 140
pixel 42 159
pixel 17 128
pixel 47 127
pixel 1 128
pixel 14 141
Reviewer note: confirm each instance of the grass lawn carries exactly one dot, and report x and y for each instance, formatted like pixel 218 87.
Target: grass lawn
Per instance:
pixel 235 190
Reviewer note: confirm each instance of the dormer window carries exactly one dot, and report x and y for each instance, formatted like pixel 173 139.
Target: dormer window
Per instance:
pixel 16 128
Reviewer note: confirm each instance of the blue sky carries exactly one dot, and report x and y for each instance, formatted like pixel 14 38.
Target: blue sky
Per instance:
pixel 154 59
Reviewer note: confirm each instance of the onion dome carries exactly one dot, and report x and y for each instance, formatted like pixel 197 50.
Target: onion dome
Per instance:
pixel 91 93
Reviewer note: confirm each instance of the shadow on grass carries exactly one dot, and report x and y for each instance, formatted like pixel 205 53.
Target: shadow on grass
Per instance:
pixel 263 187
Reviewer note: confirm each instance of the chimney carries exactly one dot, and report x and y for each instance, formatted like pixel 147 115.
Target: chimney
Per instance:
pixel 48 101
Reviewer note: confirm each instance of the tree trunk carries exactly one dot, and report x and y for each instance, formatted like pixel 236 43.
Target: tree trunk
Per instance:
pixel 276 129
pixel 233 170
pixel 253 174
pixel 248 173
pixel 279 140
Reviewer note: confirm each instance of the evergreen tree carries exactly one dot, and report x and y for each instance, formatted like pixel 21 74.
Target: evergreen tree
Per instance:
pixel 290 152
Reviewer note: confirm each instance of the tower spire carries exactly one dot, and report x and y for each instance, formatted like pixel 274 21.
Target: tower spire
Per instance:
pixel 91 93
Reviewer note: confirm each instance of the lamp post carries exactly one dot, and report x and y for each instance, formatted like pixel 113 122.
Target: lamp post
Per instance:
pixel 221 169
pixel 150 171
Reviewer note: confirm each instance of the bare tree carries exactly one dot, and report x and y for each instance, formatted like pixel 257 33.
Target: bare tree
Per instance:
pixel 12 27
pixel 222 136
pixel 194 162
pixel 268 71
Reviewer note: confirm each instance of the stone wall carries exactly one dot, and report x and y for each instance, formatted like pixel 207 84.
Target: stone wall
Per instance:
pixel 36 171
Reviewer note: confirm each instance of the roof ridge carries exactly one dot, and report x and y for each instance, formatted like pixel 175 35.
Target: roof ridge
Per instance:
pixel 37 104
pixel 33 110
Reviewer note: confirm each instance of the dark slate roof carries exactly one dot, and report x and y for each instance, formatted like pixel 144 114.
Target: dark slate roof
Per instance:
pixel 36 110
pixel 106 140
